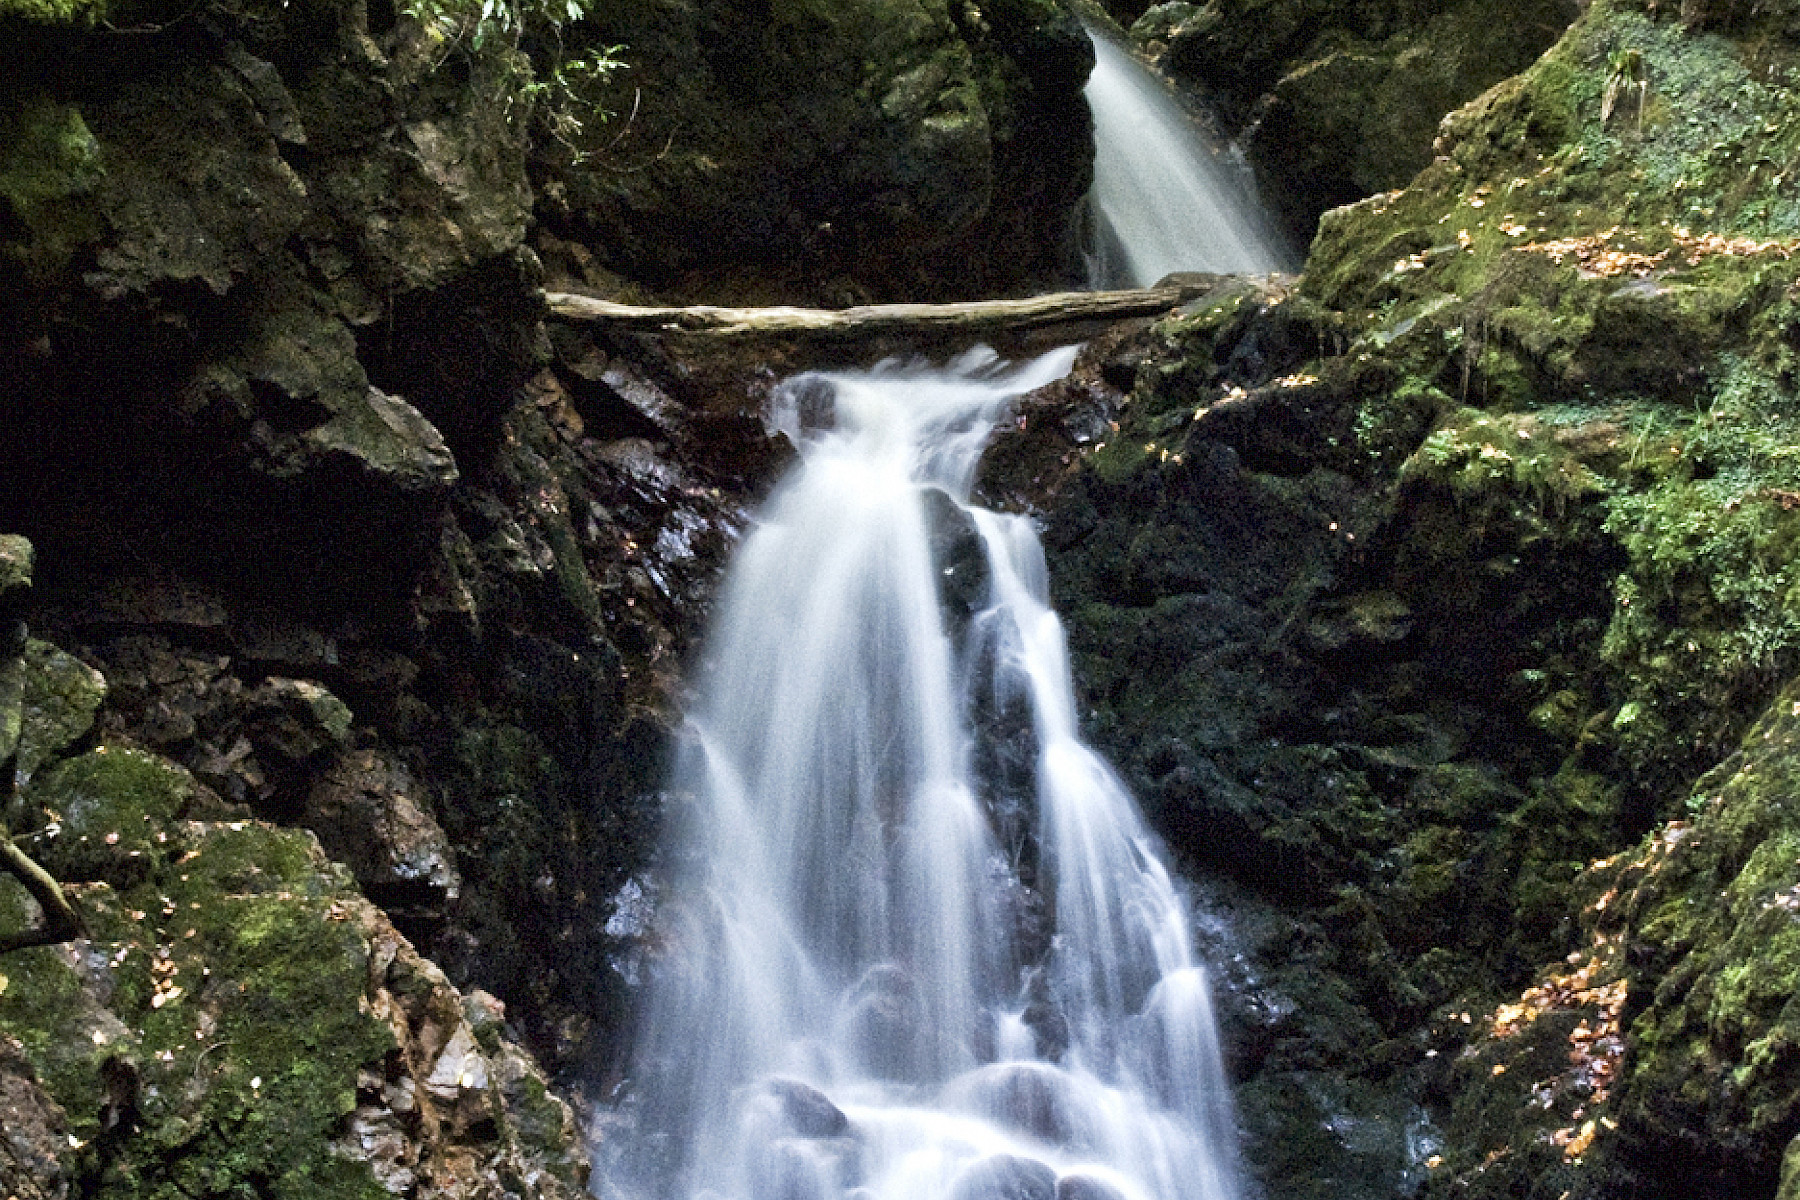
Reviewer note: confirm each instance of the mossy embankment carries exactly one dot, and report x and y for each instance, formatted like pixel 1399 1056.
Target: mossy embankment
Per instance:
pixel 1415 596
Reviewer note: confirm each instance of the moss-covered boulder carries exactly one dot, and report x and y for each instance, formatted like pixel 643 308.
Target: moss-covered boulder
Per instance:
pixel 1659 1061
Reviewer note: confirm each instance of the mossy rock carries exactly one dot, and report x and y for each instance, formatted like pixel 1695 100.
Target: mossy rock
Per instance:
pixel 50 168
pixel 217 1009
pixel 1710 917
pixel 1534 163
pixel 108 814
pixel 16 560
pixel 61 696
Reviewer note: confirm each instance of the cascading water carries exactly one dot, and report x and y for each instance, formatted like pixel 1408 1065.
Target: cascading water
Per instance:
pixel 847 998
pixel 1162 200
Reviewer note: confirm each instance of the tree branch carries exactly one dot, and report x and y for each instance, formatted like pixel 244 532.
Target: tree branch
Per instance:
pixel 61 922
pixel 1036 312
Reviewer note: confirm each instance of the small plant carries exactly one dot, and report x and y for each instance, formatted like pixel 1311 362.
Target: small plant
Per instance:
pixel 1624 73
pixel 478 22
pixel 558 89
pixel 562 96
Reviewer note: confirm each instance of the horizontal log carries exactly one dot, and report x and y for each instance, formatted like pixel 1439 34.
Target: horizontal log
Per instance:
pixel 979 316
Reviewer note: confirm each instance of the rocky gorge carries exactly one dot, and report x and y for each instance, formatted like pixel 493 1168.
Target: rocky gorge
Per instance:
pixel 1438 603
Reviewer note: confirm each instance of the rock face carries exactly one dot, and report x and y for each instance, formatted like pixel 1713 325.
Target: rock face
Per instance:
pixel 836 151
pixel 1439 605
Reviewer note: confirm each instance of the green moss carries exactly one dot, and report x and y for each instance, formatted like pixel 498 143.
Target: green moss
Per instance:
pixel 1712 916
pixel 1531 161
pixel 1708 613
pixel 60 697
pixel 1475 454
pixel 66 1035
pixel 55 12
pixel 50 164
pixel 15 563
pixel 109 814
pixel 231 981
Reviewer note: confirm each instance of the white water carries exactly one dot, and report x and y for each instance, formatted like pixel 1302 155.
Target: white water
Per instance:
pixel 841 1005
pixel 1163 201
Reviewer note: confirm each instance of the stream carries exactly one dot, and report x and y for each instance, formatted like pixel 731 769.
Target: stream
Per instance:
pixel 857 991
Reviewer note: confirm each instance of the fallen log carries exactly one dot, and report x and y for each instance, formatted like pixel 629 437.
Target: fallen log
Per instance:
pixel 979 316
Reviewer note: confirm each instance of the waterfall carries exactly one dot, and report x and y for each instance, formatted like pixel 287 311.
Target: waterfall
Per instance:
pixel 1162 199
pixel 858 988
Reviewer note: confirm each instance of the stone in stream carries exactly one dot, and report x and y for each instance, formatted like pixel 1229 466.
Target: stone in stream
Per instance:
pixel 1005 1177
pixel 1086 1187
pixel 807 1111
pixel 883 1022
pixel 1029 1097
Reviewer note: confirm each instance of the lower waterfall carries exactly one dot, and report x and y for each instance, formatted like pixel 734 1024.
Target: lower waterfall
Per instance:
pixel 873 975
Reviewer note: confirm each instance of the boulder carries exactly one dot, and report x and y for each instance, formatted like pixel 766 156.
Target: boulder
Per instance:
pixel 1005 1177
pixel 1034 1099
pixel 806 1110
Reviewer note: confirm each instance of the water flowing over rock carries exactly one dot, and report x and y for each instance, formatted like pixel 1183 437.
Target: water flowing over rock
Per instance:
pixel 835 976
pixel 1163 200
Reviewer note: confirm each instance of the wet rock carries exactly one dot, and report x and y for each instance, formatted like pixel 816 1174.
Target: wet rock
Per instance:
pixel 1032 1098
pixel 883 1015
pixel 959 556
pixel 618 400
pixel 1086 1187
pixel 367 810
pixel 807 1111
pixel 1005 1177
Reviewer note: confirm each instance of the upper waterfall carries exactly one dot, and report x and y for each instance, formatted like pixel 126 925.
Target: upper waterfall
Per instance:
pixel 1163 201
pixel 858 988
